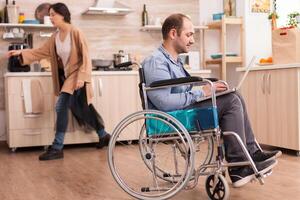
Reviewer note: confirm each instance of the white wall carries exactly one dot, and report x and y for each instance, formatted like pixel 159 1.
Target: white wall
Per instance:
pixel 258 35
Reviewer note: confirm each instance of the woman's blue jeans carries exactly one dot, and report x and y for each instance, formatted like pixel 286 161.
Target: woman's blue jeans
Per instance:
pixel 62 107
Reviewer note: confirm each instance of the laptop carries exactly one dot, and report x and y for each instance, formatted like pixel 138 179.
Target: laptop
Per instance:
pixel 238 86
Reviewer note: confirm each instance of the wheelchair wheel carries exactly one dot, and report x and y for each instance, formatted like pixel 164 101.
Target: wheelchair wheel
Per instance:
pixel 164 145
pixel 204 148
pixel 217 187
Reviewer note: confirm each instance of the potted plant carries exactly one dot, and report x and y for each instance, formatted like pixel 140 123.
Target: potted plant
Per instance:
pixel 293 19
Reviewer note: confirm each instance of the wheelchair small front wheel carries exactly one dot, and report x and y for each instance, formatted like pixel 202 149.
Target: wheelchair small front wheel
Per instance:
pixel 217 187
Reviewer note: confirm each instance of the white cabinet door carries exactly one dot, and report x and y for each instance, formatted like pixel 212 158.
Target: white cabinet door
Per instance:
pixel 272 98
pixel 282 97
pixel 25 129
pixel 116 98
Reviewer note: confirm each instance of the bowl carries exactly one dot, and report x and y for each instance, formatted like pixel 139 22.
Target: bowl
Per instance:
pixel 218 16
pixel 103 63
pixel 31 21
pixel 219 55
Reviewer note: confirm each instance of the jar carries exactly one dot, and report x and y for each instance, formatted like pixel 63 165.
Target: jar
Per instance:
pixel 21 18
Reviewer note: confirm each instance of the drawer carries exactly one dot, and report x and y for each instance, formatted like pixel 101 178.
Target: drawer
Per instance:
pixel 14 84
pixel 29 137
pixel 18 120
pixel 15 103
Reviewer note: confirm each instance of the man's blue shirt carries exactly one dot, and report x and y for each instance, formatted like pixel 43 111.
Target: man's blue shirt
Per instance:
pixel 161 66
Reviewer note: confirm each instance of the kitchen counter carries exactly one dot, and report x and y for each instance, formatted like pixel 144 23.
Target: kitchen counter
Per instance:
pixel 270 67
pixel 106 73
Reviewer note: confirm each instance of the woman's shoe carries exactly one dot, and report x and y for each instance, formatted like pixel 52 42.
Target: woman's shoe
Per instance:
pixel 52 154
pixel 104 141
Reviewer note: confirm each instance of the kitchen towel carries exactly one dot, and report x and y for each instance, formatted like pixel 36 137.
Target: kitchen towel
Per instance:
pixel 33 96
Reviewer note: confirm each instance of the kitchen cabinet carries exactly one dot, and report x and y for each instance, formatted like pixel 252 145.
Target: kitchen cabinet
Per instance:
pixel 28 129
pixel 116 95
pixel 272 100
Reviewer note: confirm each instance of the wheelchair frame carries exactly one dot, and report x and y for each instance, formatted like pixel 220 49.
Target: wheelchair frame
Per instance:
pixel 215 177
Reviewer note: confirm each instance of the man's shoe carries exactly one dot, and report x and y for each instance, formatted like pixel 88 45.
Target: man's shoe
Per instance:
pixel 103 141
pixel 242 175
pixel 260 156
pixel 52 154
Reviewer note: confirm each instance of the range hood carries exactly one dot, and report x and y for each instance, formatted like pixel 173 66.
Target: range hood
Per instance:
pixel 108 7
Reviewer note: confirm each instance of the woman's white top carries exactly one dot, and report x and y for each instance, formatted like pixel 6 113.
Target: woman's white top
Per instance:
pixel 63 49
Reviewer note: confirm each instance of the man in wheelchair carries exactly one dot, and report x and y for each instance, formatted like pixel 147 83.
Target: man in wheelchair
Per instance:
pixel 164 63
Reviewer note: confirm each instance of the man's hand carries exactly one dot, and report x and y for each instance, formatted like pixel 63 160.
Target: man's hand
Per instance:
pixel 79 84
pixel 220 87
pixel 13 53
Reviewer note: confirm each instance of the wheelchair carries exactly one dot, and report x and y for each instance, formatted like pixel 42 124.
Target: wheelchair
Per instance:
pixel 174 149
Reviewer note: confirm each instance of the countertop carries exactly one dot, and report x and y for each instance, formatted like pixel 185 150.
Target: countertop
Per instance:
pixel 270 67
pixel 103 73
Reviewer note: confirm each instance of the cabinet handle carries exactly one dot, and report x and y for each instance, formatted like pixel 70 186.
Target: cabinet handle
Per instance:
pixel 263 83
pixel 32 133
pixel 100 84
pixel 32 115
pixel 269 83
pixel 93 85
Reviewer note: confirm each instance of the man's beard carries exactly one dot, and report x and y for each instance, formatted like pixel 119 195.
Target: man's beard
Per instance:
pixel 181 49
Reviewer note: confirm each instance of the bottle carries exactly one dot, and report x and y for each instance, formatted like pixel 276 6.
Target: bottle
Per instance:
pixel 21 18
pixel 5 14
pixel 144 16
pixel 13 13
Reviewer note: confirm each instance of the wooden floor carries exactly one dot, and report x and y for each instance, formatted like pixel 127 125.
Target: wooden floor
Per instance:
pixel 84 174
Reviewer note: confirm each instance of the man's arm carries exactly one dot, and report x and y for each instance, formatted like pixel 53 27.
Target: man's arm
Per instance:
pixel 163 99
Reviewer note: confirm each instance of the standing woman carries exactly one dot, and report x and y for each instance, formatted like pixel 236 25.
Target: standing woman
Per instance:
pixel 71 75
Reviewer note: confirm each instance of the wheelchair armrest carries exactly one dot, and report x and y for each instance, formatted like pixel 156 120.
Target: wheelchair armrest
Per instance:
pixel 175 81
pixel 212 79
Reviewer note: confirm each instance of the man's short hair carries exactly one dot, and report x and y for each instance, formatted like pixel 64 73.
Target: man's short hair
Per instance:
pixel 173 21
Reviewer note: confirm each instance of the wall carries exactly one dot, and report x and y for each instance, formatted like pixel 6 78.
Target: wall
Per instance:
pixel 105 34
pixel 257 35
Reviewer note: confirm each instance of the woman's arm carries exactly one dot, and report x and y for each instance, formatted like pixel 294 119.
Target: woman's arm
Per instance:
pixel 30 55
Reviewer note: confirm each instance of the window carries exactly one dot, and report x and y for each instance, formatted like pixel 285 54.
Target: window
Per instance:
pixel 285 7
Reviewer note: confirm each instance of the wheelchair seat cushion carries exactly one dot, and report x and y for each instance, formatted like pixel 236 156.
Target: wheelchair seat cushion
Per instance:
pixel 195 119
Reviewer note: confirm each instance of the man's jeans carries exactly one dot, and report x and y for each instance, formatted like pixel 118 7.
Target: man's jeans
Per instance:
pixel 233 117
